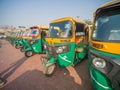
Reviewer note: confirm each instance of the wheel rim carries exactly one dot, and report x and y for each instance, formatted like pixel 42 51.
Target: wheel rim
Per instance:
pixel 29 53
pixel 50 69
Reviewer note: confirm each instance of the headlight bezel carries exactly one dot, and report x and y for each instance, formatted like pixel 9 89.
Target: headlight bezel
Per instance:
pixel 62 49
pixel 107 68
pixel 59 50
pixel 99 63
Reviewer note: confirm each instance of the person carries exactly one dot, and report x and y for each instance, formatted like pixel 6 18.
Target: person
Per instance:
pixel 2 82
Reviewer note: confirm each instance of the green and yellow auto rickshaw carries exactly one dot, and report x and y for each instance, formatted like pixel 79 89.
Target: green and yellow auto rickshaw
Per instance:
pixel 38 34
pixel 104 48
pixel 13 37
pixel 18 40
pixel 8 34
pixel 66 43
pixel 25 40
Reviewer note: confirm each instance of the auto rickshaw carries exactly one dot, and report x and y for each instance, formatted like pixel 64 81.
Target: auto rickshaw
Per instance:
pixel 38 34
pixel 8 34
pixel 104 47
pixel 13 37
pixel 18 41
pixel 25 40
pixel 66 43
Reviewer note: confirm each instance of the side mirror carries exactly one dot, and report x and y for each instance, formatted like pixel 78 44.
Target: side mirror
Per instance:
pixel 78 34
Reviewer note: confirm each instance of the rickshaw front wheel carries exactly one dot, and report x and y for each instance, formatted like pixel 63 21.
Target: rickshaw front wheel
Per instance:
pixel 49 70
pixel 17 46
pixel 28 53
pixel 22 49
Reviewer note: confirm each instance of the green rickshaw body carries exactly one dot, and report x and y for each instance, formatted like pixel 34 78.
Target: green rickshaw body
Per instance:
pixel 36 42
pixel 63 59
pixel 35 46
pixel 13 38
pixel 104 51
pixel 18 41
pixel 66 43
pixel 24 42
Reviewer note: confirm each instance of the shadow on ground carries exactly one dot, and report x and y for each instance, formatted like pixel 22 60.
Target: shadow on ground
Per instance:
pixel 63 79
pixel 10 70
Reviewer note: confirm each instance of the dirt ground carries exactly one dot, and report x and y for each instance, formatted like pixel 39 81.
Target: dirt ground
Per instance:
pixel 23 73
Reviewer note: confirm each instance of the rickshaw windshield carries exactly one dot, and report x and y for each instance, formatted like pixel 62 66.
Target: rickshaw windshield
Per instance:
pixel 34 32
pixel 18 34
pixel 27 33
pixel 107 27
pixel 60 29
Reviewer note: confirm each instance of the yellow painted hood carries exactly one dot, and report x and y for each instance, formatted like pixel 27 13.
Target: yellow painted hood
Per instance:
pixel 107 47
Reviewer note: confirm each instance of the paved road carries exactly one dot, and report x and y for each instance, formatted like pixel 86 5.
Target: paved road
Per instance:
pixel 24 73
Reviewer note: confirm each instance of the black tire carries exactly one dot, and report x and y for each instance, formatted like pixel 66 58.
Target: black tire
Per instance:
pixel 22 49
pixel 49 70
pixel 28 53
pixel 17 46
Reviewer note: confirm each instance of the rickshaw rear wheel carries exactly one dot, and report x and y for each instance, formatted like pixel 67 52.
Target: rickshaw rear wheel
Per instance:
pixel 28 53
pixel 49 70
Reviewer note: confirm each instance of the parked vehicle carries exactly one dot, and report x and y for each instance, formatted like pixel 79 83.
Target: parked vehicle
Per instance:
pixel 38 34
pixel 24 43
pixel 18 40
pixel 2 35
pixel 104 48
pixel 66 43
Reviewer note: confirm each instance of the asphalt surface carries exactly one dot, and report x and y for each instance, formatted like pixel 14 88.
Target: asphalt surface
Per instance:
pixel 23 73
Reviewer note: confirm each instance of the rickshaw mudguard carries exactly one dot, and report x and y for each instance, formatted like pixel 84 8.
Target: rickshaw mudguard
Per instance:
pixel 28 49
pixel 67 58
pixel 99 81
pixel 50 62
pixel 21 43
pixel 16 42
pixel 36 48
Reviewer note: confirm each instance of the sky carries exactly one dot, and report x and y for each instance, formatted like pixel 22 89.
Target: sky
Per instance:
pixel 42 12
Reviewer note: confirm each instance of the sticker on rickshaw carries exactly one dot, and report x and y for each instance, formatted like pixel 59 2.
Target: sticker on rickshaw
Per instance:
pixel 65 40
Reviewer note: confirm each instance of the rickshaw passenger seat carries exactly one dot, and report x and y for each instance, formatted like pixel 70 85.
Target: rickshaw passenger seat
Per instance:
pixel 78 39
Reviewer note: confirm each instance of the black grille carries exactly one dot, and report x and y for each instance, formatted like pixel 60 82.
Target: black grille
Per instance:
pixel 116 81
pixel 51 50
pixel 113 70
pixel 118 78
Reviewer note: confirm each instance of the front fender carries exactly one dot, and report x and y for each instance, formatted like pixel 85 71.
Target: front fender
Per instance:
pixel 50 62
pixel 28 49
pixel 16 42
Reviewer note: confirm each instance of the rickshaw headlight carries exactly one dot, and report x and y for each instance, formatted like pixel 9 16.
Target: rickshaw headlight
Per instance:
pixel 99 63
pixel 31 42
pixel 61 49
